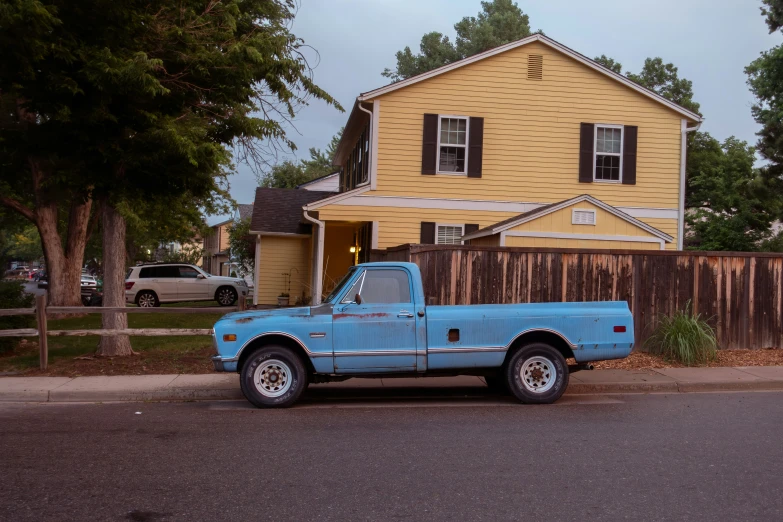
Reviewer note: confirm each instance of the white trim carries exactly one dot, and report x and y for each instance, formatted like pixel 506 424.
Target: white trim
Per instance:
pixel 279 234
pixel 318 180
pixel 524 41
pixel 565 204
pixel 317 259
pixel 681 209
pixel 465 146
pixel 374 238
pixel 588 210
pixel 593 237
pixel 337 198
pixel 257 272
pixel 619 155
pixel 461 226
pixel 376 109
pixel 517 207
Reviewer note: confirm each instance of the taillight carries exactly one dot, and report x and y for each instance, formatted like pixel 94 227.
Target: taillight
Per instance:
pixel 619 329
pixel 129 284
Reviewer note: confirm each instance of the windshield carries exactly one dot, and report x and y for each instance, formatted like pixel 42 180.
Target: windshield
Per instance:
pixel 341 285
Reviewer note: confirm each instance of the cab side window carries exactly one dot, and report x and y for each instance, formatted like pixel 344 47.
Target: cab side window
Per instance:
pixel 386 287
pixel 188 272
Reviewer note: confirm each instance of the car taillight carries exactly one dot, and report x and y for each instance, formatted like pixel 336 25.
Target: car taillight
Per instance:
pixel 129 284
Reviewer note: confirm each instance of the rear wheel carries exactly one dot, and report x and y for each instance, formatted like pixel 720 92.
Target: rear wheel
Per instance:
pixel 273 377
pixel 537 374
pixel 147 299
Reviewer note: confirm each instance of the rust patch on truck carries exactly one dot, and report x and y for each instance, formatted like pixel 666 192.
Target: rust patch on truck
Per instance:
pixel 374 315
pixel 243 320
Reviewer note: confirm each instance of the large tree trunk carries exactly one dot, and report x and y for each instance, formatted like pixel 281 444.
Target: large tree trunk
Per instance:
pixel 114 282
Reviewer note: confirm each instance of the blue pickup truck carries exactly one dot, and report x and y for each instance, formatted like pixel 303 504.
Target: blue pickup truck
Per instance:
pixel 375 323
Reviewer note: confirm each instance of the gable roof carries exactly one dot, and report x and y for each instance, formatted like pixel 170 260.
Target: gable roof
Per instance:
pixel 519 43
pixel 280 210
pixel 506 224
pixel 245 211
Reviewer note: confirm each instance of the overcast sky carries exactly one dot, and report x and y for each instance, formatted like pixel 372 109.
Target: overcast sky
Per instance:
pixel 710 41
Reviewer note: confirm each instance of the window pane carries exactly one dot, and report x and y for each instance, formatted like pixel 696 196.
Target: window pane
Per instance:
pixel 449 235
pixel 452 159
pixel 354 290
pixel 607 167
pixel 148 272
pixel 453 131
pixel 188 272
pixel 386 287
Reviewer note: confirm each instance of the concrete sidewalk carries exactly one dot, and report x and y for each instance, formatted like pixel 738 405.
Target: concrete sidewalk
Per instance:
pixel 226 386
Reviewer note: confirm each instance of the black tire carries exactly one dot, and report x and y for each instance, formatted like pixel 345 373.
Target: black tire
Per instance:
pixel 270 362
pixel 546 374
pixel 226 296
pixel 145 297
pixel 496 384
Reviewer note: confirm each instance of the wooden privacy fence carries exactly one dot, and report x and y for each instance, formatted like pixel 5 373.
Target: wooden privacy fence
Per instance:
pixel 739 292
pixel 42 332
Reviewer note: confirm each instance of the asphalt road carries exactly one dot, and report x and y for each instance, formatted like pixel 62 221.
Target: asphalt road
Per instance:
pixel 636 457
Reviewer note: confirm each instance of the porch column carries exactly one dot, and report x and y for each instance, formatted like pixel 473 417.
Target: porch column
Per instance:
pixel 318 258
pixel 257 270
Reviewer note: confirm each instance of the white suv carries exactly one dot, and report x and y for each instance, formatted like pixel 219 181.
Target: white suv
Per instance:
pixel 151 284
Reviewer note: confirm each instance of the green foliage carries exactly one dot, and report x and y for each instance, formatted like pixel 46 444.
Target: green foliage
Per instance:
pixel 683 337
pixel 190 254
pixel 289 174
pixel 609 63
pixel 765 78
pixel 499 22
pixel 26 245
pixel 730 206
pixel 242 247
pixel 664 79
pixel 12 295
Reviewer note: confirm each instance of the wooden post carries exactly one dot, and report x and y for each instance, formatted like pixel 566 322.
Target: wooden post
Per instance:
pixel 242 303
pixel 40 319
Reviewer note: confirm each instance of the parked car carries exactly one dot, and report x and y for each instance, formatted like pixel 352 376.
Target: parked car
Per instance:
pixel 375 323
pixel 152 284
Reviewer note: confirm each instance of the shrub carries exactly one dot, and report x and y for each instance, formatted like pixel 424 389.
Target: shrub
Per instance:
pixel 12 295
pixel 683 337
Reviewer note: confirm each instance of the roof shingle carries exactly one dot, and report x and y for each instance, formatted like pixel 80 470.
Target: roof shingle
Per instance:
pixel 280 210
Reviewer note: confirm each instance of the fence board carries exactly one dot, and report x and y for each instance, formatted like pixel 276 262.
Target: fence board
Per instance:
pixel 740 293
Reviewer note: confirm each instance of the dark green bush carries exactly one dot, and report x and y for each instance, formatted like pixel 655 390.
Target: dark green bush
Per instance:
pixel 12 295
pixel 683 337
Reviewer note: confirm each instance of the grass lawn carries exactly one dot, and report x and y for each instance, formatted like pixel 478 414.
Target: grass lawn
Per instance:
pixel 72 356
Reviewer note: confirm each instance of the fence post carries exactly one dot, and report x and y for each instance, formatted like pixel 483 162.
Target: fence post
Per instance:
pixel 40 319
pixel 242 303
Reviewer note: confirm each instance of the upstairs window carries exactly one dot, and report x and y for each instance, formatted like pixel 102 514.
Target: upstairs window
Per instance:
pixel 356 170
pixel 608 153
pixel 452 144
pixel 449 234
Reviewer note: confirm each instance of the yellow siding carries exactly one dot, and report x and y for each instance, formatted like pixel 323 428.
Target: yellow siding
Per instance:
pixel 280 255
pixel 560 221
pixel 578 243
pixel 531 133
pixel 490 241
pixel 397 226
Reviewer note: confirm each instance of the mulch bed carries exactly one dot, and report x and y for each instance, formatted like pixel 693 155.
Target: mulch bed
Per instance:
pixel 645 361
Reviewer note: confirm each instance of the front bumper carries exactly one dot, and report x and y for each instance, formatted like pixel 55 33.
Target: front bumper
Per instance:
pixel 224 364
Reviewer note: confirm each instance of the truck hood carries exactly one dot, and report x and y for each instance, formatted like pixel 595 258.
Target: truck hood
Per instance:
pixel 249 315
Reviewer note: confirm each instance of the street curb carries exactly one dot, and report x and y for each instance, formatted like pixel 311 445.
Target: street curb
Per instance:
pixel 202 394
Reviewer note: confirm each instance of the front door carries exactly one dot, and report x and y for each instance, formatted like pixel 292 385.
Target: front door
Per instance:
pixel 190 286
pixel 377 331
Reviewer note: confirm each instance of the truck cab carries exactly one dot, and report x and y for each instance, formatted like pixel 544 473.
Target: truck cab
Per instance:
pixel 376 323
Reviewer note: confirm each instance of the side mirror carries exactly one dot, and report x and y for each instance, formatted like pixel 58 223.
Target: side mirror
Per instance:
pixel 357 299
pixel 201 276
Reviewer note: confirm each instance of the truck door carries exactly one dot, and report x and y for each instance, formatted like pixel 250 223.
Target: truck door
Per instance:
pixel 377 331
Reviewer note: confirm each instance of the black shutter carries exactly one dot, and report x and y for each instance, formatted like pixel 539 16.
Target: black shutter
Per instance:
pixel 629 154
pixel 427 233
pixel 429 144
pixel 469 229
pixel 586 143
pixel 475 147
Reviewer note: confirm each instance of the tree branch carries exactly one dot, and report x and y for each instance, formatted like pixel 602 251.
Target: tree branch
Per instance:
pixel 16 206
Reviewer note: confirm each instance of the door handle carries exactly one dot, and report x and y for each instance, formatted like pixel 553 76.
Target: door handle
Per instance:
pixel 406 314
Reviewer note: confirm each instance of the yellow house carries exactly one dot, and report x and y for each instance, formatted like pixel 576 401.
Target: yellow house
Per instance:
pixel 528 144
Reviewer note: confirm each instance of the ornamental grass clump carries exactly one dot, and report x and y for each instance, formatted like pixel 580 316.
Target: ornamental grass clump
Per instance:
pixel 683 337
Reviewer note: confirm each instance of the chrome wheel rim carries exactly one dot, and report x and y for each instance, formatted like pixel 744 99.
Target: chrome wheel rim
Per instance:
pixel 538 374
pixel 272 378
pixel 147 301
pixel 225 296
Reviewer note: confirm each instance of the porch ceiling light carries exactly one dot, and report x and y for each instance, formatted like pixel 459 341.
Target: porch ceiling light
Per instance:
pixel 353 250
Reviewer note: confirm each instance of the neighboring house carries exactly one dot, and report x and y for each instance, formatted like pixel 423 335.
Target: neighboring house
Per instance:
pixel 217 255
pixel 528 144
pixel 328 183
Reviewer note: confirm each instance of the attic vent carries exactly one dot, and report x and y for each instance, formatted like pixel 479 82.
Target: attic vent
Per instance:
pixel 582 217
pixel 535 67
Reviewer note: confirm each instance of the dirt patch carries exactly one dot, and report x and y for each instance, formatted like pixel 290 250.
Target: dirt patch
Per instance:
pixel 645 361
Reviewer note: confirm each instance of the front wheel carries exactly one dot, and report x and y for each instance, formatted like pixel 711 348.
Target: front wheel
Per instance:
pixel 273 377
pixel 226 296
pixel 537 374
